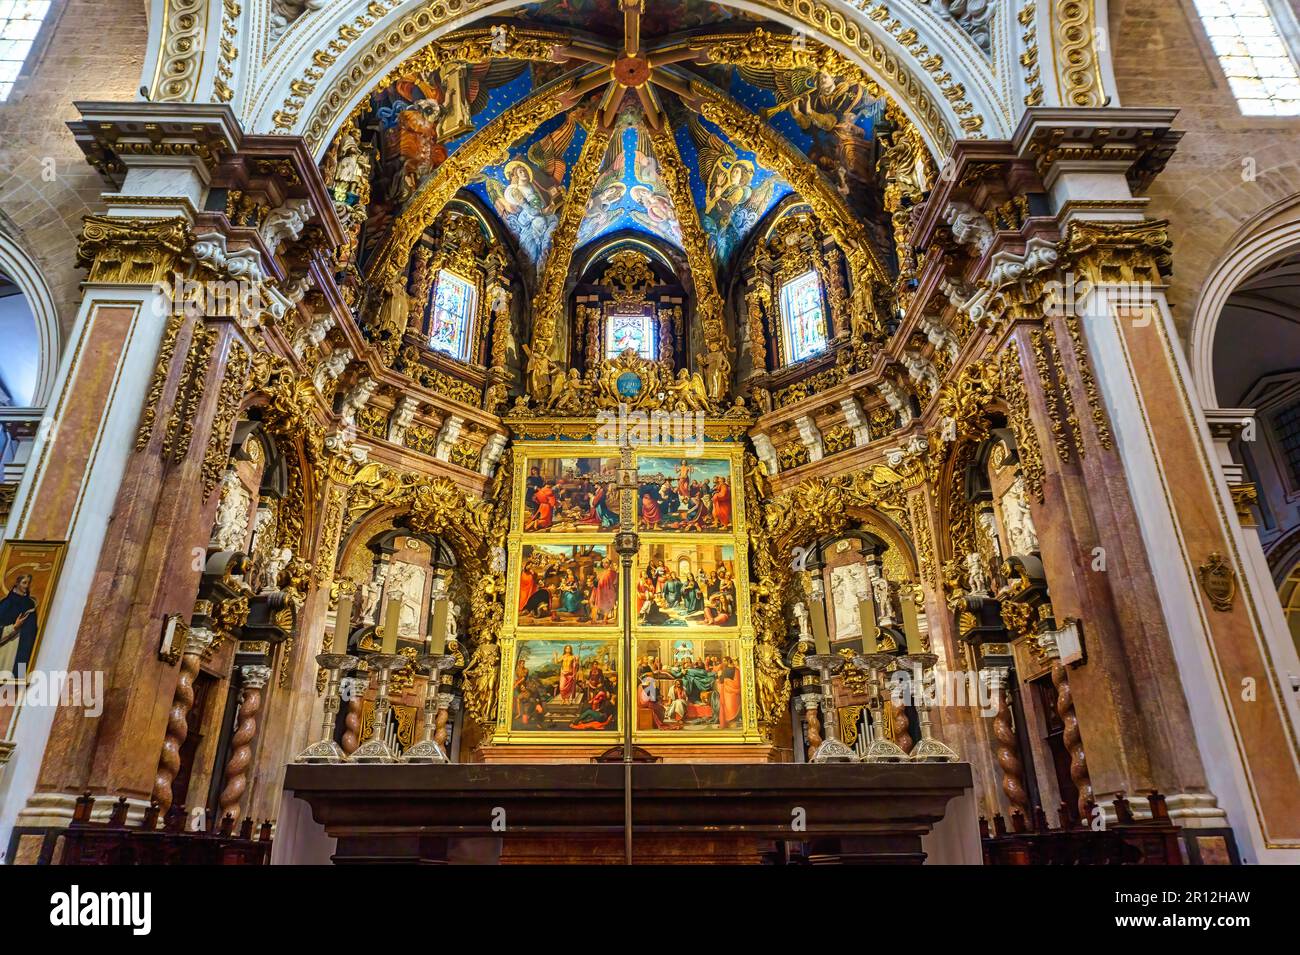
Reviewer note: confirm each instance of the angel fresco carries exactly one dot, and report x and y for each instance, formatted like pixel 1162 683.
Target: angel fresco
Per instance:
pixel 607 194
pixel 419 117
pixel 732 203
pixel 655 211
pixel 829 110
pixel 530 198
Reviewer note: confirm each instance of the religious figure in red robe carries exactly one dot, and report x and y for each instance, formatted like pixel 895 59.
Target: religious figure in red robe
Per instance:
pixel 721 502
pixel 604 595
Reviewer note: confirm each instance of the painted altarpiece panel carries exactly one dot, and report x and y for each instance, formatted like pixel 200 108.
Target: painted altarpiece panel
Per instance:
pixel 563 618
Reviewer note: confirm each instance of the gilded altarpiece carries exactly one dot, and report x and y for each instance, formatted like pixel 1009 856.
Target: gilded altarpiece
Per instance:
pixel 562 651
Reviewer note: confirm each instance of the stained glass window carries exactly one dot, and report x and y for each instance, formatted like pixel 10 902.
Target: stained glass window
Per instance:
pixel 20 20
pixel 802 317
pixel 635 332
pixel 453 315
pixel 1254 57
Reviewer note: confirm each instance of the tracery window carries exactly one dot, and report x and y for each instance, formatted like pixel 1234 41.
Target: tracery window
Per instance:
pixel 634 332
pixel 803 317
pixel 1260 69
pixel 20 21
pixel 454 303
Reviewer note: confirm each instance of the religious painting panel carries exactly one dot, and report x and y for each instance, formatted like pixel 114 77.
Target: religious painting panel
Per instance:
pixel 567 585
pixel 685 495
pixel 29 572
pixel 691 684
pixel 564 686
pixel 686 584
pixel 568 494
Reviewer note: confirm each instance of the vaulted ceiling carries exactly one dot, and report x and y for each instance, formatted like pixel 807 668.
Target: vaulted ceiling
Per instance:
pixel 687 124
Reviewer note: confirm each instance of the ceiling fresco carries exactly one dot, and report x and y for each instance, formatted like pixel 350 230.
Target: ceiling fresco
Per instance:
pixel 732 192
pixel 660 18
pixel 831 120
pixel 529 188
pixel 628 194
pixel 410 127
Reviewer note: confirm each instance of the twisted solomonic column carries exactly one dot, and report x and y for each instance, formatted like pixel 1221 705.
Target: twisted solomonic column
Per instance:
pixel 253 681
pixel 1008 743
pixel 1072 738
pixel 353 689
pixel 178 728
pixel 814 724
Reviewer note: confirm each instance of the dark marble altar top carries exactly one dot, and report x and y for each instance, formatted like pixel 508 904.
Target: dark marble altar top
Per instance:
pixel 758 799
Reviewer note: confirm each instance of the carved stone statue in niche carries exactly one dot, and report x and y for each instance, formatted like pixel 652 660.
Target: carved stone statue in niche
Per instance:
pixel 1021 533
pixel 882 597
pixel 231 530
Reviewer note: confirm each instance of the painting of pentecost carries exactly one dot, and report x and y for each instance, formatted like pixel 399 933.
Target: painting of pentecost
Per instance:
pixel 573 585
pixel 690 684
pixel 684 494
pixel 571 494
pixel 565 685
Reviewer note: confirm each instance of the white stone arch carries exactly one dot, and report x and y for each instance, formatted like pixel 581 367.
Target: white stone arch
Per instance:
pixel 332 31
pixel 23 271
pixel 1269 235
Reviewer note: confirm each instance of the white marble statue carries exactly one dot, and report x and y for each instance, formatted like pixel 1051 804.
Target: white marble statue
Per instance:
pixel 1021 533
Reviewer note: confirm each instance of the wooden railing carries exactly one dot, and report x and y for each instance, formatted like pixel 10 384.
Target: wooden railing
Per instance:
pixel 1126 841
pixel 115 843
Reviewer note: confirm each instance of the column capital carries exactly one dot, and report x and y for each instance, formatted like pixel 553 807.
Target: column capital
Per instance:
pixel 254 676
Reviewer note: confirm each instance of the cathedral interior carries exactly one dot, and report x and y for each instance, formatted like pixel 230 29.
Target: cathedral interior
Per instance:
pixel 583 430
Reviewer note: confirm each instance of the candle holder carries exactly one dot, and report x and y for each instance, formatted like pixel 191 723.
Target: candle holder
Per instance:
pixel 427 750
pixel 376 749
pixel 831 750
pixel 325 750
pixel 880 749
pixel 929 749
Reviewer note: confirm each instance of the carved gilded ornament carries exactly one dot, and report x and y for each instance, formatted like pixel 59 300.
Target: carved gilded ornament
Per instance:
pixel 1075 31
pixel 1218 581
pixel 676 180
pixel 180 61
pixel 132 251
